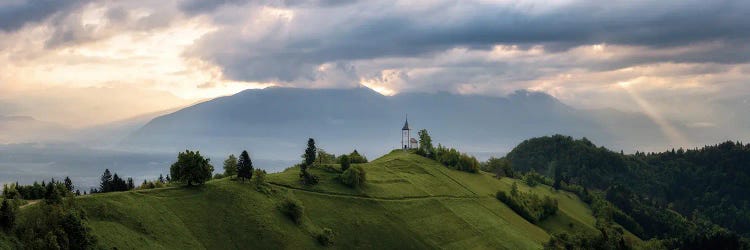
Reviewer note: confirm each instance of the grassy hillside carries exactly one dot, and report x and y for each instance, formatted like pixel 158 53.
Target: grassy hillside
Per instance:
pixel 409 202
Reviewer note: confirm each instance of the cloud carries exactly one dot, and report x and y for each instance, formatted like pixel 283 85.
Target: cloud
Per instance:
pixel 288 42
pixel 671 52
pixel 14 14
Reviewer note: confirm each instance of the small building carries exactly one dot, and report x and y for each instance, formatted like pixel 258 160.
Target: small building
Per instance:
pixel 406 141
pixel 413 143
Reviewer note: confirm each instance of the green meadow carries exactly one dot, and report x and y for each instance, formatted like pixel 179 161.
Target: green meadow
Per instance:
pixel 408 202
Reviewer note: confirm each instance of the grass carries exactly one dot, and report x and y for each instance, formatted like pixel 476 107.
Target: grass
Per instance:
pixel 409 202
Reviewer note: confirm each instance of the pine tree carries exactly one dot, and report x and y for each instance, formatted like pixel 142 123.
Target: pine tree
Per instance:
pixel 245 166
pixel 309 156
pixel 161 178
pixel 106 182
pixel 7 215
pixel 131 184
pixel 310 152
pixel 69 184
pixel 51 195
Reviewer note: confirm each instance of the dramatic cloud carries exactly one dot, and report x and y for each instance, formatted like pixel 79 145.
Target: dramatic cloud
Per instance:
pixel 288 42
pixel 14 14
pixel 682 62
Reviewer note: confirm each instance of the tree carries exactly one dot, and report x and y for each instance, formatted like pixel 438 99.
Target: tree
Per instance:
pixel 7 215
pixel 78 234
pixel 106 182
pixel 325 158
pixel 131 184
pixel 68 184
pixel 354 177
pixel 191 168
pixel 345 163
pixel 161 178
pixel 355 157
pixel 230 166
pixel 245 167
pixel 309 157
pixel 425 144
pixel 558 174
pixel 118 184
pixel 310 152
pixel 51 195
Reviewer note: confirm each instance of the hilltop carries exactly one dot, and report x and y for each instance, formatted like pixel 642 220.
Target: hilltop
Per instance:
pixel 409 202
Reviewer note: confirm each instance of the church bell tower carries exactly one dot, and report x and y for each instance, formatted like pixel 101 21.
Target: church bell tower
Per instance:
pixel 406 136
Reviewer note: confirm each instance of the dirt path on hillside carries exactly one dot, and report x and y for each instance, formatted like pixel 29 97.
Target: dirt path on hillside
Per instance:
pixel 29 204
pixel 406 198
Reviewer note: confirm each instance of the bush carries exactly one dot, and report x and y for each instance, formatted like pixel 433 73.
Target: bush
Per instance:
pixel 451 158
pixel 356 158
pixel 293 209
pixel 354 177
pixel 345 163
pixel 533 178
pixel 529 205
pixel 308 178
pixel 260 181
pixel 325 237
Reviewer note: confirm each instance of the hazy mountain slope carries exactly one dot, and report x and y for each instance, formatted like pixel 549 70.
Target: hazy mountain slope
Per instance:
pixel 20 129
pixel 273 123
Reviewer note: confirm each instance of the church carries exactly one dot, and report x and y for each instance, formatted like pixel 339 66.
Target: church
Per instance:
pixel 406 141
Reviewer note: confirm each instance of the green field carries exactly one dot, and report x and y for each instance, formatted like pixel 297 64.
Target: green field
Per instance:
pixel 409 202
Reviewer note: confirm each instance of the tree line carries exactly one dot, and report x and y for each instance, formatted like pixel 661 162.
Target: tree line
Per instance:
pixel 449 157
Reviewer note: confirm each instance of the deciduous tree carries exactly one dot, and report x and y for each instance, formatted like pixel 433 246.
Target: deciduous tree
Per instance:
pixel 191 168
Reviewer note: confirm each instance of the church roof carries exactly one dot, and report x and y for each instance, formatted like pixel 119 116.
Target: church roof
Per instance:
pixel 406 125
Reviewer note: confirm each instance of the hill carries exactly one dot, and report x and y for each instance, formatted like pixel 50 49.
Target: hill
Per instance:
pixel 410 202
pixel 708 184
pixel 270 121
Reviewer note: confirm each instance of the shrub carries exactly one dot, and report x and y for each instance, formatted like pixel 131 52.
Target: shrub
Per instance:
pixel 532 178
pixel 354 177
pixel 451 158
pixel 345 163
pixel 306 177
pixel 260 181
pixel 293 209
pixel 325 237
pixel 529 205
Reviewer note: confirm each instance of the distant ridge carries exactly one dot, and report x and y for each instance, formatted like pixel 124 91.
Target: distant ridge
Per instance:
pixel 274 122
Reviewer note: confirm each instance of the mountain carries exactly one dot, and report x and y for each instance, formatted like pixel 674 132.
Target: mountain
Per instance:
pixel 409 202
pixel 274 123
pixel 18 129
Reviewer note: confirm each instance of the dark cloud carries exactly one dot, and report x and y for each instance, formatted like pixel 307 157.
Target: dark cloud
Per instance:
pixel 203 6
pixel 370 30
pixel 15 15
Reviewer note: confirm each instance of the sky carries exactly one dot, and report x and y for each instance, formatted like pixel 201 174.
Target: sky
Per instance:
pixel 81 63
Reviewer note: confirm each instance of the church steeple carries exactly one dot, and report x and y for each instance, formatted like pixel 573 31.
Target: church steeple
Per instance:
pixel 406 124
pixel 406 135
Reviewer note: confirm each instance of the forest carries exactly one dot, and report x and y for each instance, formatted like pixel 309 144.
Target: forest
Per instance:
pixel 696 195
